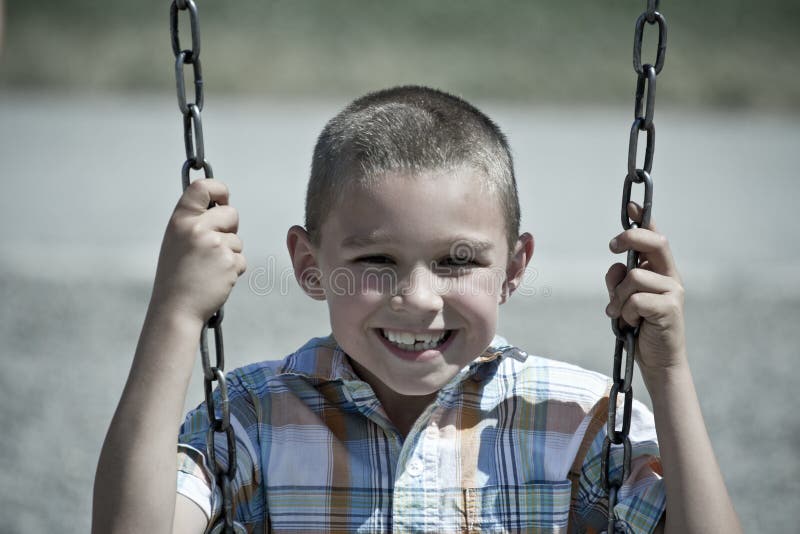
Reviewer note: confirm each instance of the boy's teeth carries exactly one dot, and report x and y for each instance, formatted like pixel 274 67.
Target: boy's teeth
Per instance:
pixel 409 341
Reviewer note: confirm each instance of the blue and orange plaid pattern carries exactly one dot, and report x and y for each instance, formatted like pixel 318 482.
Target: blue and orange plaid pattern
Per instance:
pixel 511 444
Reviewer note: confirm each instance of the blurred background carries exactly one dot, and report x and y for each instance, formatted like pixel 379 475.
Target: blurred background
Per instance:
pixel 91 149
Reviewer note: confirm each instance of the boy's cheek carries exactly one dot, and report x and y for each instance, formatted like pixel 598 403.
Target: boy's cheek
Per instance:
pixel 377 281
pixel 476 299
pixel 350 282
pixel 483 282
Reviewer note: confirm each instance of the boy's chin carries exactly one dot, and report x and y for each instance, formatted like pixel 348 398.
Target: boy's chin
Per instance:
pixel 412 390
pixel 421 386
pixel 404 386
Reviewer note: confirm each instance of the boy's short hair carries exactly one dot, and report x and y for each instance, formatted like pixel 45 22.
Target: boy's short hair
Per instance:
pixel 408 129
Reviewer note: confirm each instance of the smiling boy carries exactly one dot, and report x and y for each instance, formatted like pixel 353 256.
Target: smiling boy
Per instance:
pixel 412 416
pixel 407 231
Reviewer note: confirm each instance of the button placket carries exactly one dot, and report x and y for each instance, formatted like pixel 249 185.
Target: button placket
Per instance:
pixel 430 456
pixel 470 509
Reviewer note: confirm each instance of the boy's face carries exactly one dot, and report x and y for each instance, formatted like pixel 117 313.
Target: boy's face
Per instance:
pixel 413 271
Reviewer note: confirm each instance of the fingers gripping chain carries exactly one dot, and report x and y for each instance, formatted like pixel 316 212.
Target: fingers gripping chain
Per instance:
pixel 625 336
pixel 219 425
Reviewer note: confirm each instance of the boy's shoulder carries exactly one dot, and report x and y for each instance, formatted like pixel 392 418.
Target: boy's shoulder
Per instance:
pixel 515 372
pixel 318 360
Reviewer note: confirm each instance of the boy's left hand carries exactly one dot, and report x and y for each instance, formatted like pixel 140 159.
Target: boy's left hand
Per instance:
pixel 650 296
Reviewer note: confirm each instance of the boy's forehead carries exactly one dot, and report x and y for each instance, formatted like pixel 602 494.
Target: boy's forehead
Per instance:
pixel 447 185
pixel 377 211
pixel 463 176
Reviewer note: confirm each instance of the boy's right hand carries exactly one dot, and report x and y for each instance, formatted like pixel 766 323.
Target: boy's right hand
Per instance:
pixel 200 258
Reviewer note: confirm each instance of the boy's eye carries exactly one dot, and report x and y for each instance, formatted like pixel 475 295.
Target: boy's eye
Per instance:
pixel 460 264
pixel 376 259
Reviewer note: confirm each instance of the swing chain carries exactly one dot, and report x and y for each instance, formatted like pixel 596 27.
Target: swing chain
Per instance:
pixel 626 336
pixel 195 159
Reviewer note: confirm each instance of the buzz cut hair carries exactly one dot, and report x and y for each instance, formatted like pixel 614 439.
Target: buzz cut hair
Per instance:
pixel 408 129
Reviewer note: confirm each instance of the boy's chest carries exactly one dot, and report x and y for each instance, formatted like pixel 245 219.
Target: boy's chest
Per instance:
pixel 534 507
pixel 449 475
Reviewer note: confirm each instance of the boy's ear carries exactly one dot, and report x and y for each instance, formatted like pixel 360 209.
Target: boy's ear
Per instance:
pixel 517 263
pixel 304 261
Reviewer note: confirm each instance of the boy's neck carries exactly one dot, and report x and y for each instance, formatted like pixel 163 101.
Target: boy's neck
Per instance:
pixel 402 410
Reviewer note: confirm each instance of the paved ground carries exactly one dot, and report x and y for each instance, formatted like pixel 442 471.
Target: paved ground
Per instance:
pixel 89 184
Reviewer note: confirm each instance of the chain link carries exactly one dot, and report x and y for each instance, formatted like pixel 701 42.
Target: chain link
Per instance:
pixel 196 159
pixel 626 336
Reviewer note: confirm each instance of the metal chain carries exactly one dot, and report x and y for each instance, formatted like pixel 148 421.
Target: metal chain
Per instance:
pixel 626 336
pixel 195 159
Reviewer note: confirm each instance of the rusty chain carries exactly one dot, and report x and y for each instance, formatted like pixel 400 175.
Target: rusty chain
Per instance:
pixel 196 160
pixel 625 335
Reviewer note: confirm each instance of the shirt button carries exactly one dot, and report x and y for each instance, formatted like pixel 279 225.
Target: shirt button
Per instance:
pixel 414 467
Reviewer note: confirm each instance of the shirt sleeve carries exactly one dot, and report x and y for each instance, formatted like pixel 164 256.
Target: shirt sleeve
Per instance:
pixel 642 499
pixel 195 477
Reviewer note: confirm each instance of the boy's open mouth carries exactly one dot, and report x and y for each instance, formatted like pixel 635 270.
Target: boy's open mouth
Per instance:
pixel 415 342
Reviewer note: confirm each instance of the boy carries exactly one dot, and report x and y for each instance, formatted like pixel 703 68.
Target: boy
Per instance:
pixel 412 416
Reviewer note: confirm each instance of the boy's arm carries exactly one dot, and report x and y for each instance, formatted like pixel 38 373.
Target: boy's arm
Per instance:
pixel 136 474
pixel 697 500
pixel 652 298
pixel 200 260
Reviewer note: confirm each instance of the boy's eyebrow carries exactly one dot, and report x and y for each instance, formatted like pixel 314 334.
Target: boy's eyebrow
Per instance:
pixel 456 243
pixel 360 241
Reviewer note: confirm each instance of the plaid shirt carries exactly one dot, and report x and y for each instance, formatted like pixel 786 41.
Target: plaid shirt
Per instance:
pixel 511 444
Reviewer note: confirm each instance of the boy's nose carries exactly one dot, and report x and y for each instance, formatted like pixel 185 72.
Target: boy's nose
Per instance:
pixel 417 292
